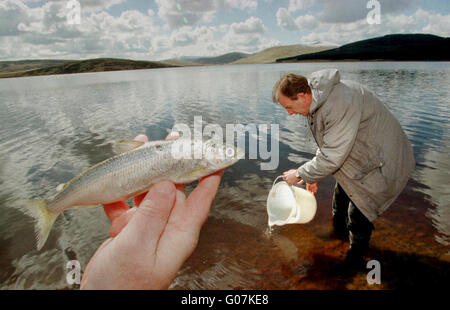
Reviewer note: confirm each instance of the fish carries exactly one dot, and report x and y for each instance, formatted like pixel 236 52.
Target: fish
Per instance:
pixel 132 171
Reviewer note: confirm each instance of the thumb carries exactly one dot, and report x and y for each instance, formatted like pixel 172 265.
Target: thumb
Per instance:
pixel 152 215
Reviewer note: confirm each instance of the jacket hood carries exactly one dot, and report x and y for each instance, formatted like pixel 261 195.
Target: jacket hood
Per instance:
pixel 321 84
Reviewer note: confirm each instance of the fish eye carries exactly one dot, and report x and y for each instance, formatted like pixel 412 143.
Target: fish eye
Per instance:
pixel 229 152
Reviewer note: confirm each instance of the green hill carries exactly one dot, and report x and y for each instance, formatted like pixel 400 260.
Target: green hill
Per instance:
pixel 271 54
pixel 90 65
pixel 406 47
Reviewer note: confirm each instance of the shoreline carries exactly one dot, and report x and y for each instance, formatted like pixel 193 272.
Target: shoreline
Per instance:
pixel 26 73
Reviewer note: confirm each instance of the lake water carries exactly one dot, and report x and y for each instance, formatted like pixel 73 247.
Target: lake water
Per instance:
pixel 54 127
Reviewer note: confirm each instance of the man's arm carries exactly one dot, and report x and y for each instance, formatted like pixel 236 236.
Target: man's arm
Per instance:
pixel 341 126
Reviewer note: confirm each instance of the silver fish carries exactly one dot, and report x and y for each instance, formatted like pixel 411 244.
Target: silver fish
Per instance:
pixel 138 166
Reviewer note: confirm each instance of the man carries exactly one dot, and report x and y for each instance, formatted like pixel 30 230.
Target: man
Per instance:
pixel 360 143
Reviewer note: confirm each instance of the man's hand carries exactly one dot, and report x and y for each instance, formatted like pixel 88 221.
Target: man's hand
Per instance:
pixel 313 188
pixel 290 178
pixel 148 244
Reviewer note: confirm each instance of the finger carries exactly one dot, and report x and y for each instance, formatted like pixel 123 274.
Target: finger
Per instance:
pixel 180 193
pixel 199 201
pixel 173 135
pixel 150 219
pixel 301 182
pixel 185 222
pixel 115 209
pixel 141 138
pixel 119 223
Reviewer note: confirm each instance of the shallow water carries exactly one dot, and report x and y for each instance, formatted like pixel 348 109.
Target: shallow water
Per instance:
pixel 53 127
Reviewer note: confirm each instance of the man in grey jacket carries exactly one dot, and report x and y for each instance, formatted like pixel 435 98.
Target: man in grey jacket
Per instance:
pixel 360 143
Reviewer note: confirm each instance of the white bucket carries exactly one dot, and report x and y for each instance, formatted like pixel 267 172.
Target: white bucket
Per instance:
pixel 290 204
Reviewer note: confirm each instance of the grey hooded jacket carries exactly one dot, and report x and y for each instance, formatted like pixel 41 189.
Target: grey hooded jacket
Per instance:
pixel 360 142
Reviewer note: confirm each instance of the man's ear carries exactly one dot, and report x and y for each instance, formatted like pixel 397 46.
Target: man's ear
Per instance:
pixel 300 95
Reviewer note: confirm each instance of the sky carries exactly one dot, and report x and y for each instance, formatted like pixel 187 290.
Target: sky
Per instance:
pixel 163 29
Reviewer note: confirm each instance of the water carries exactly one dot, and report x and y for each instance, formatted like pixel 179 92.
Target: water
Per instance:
pixel 53 127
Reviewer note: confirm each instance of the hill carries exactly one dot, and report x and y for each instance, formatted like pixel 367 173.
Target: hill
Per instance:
pixel 406 47
pixel 90 65
pixel 25 65
pixel 220 60
pixel 271 54
pixel 215 60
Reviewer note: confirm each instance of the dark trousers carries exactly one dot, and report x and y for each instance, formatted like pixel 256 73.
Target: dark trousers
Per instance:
pixel 349 221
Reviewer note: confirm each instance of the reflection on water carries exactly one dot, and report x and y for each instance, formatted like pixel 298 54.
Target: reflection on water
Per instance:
pixel 53 127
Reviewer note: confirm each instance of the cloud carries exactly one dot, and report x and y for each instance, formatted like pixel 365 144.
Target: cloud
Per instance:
pixel 179 13
pixel 98 4
pixel 285 20
pixel 43 32
pixel 251 25
pixel 296 5
pixel 419 22
pixel 346 11
pixel 12 13
pixel 434 22
pixel 247 36
pixel 306 22
pixel 189 27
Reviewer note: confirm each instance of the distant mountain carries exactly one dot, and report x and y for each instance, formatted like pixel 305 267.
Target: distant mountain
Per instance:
pixel 25 65
pixel 90 65
pixel 215 60
pixel 180 63
pixel 409 47
pixel 271 54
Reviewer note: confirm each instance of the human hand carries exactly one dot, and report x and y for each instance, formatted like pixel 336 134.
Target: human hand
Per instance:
pixel 148 244
pixel 290 177
pixel 313 188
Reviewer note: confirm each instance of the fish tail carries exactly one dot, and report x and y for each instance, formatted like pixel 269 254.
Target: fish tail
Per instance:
pixel 44 220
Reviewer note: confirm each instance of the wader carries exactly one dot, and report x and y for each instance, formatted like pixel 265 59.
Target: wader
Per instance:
pixel 349 223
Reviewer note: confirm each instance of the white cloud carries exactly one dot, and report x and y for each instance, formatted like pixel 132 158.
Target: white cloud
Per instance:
pixel 285 20
pixel 296 5
pixel 251 25
pixel 247 36
pixel 419 22
pixel 97 4
pixel 345 11
pixel 179 13
pixel 434 23
pixel 239 4
pixel 190 28
pixel 307 21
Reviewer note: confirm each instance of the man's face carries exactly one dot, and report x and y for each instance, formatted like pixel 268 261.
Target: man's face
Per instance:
pixel 298 106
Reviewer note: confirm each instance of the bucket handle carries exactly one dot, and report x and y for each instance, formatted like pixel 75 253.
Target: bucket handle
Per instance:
pixel 280 176
pixel 276 180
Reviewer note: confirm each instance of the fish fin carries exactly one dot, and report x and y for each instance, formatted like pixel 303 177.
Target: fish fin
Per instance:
pixel 122 146
pixel 44 220
pixel 60 187
pixel 193 175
